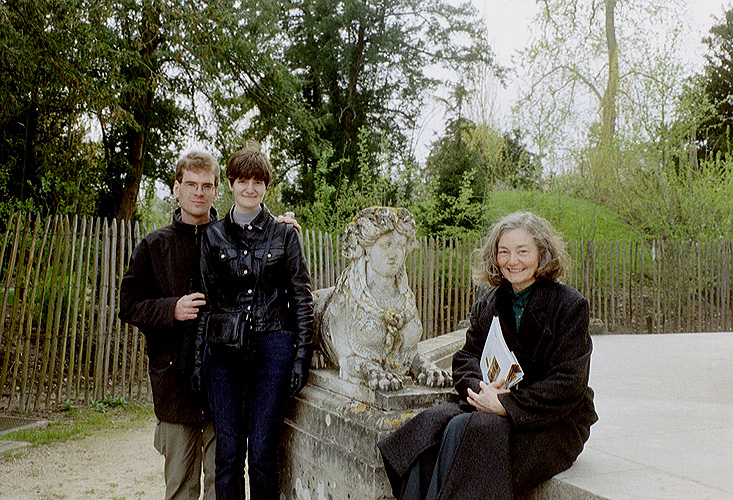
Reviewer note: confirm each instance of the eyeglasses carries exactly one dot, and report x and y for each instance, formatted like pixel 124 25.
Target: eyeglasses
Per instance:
pixel 192 188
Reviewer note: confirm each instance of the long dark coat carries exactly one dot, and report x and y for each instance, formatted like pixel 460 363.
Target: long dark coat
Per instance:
pixel 549 413
pixel 164 267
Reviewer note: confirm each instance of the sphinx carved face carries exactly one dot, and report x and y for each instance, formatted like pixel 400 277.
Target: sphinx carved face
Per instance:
pixel 386 256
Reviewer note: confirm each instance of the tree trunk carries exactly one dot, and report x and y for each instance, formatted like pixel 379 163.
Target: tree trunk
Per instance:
pixel 136 155
pixel 141 105
pixel 29 156
pixel 608 102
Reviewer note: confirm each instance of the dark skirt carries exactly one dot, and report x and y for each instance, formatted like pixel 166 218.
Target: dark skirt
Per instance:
pixel 490 460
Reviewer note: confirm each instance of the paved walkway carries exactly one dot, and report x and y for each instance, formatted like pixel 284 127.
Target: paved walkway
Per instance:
pixel 666 420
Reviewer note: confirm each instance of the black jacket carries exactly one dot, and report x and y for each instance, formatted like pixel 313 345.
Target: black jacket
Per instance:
pixel 549 413
pixel 231 259
pixel 553 348
pixel 164 267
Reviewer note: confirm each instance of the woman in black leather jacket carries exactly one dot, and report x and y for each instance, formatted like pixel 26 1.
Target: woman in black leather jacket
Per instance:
pixel 257 328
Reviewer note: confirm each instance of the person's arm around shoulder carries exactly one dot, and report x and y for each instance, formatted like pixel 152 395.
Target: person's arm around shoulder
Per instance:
pixel 289 218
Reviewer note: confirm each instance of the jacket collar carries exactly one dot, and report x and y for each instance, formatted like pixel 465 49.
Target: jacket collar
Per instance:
pixel 179 225
pixel 538 301
pixel 260 222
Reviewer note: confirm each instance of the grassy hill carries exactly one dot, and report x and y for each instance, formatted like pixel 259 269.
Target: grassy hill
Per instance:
pixel 575 219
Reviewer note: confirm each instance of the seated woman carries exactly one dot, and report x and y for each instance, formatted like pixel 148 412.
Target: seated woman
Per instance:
pixel 497 443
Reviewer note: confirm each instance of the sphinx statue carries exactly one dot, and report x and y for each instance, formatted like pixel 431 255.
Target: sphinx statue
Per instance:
pixel 367 325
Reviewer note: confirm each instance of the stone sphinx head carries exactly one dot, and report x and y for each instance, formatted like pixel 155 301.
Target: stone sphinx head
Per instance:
pixel 377 242
pixel 367 324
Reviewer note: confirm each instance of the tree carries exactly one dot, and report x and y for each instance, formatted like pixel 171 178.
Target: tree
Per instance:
pixel 172 70
pixel 128 82
pixel 367 65
pixel 591 66
pixel 463 166
pixel 716 133
pixel 45 162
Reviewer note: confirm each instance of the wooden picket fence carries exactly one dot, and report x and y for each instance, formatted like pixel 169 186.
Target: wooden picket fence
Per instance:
pixel 61 340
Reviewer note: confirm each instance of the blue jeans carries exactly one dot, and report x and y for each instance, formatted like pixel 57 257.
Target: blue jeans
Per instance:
pixel 248 393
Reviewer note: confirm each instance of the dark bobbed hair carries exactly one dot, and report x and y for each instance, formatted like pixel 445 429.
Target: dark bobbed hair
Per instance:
pixel 249 163
pixel 195 162
pixel 554 260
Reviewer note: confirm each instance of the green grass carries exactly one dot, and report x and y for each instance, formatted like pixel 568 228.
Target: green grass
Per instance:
pixel 72 422
pixel 575 219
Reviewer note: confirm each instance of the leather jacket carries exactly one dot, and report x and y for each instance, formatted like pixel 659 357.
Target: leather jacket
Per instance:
pixel 231 260
pixel 163 267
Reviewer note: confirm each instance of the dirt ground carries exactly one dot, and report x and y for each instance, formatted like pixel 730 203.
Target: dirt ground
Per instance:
pixel 115 464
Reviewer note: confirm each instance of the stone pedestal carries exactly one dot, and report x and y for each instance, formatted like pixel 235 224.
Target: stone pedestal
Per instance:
pixel 331 434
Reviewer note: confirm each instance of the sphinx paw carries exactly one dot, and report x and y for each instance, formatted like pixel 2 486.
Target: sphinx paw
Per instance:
pixel 434 377
pixel 384 381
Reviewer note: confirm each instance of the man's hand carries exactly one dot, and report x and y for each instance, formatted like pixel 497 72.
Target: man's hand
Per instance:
pixel 289 218
pixel 187 306
pixel 487 400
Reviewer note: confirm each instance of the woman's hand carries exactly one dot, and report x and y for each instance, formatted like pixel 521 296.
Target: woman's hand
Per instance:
pixel 487 400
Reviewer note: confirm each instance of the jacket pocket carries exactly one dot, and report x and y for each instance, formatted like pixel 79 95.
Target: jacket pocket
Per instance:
pixel 228 261
pixel 225 332
pixel 273 262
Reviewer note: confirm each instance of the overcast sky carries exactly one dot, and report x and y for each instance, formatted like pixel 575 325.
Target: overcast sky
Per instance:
pixel 508 25
pixel 508 21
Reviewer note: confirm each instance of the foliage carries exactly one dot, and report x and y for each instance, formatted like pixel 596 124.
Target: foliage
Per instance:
pixel 368 65
pixel 103 95
pixel 574 218
pixel 156 204
pixel 448 215
pixel 464 165
pixel 664 192
pixel 46 165
pixel 714 135
pixel 335 205
pixel 99 94
pixel 680 203
pixel 654 163
pixel 598 73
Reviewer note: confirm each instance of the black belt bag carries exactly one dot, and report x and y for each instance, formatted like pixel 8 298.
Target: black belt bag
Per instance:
pixel 227 331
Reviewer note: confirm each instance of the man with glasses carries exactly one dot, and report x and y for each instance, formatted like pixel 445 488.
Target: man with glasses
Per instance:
pixel 160 295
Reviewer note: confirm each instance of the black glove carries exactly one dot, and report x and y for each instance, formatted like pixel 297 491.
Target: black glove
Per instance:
pixel 300 376
pixel 196 378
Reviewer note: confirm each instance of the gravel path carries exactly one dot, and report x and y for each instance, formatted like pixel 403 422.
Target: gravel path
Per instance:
pixel 113 464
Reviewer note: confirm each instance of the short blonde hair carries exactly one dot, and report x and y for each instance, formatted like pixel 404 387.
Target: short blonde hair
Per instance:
pixel 554 260
pixel 195 162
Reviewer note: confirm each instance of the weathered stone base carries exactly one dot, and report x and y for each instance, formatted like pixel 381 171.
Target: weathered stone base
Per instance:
pixel 331 436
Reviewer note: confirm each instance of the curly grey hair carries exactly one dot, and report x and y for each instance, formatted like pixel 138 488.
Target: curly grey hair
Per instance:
pixel 554 259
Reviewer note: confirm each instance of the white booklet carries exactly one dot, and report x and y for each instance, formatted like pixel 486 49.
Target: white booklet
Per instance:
pixel 497 361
